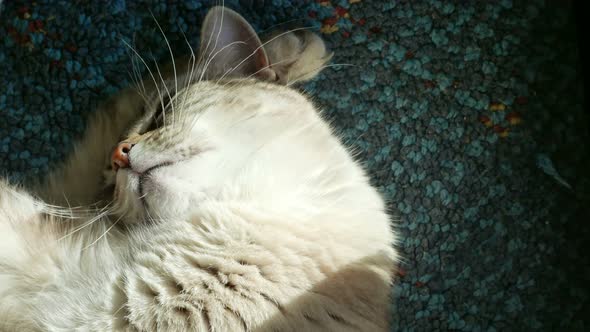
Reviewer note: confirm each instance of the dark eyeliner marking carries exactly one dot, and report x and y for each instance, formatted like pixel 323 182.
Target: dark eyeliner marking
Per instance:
pixel 157 118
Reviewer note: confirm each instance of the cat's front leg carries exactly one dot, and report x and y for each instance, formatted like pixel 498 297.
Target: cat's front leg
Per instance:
pixel 18 217
pixel 28 262
pixel 80 179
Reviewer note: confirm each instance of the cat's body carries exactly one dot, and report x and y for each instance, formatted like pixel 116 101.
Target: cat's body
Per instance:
pixel 238 209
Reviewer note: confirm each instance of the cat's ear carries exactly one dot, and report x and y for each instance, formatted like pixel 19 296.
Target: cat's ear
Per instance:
pixel 231 48
pixel 296 56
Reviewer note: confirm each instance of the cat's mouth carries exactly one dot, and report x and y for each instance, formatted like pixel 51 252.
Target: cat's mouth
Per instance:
pixel 133 186
pixel 145 176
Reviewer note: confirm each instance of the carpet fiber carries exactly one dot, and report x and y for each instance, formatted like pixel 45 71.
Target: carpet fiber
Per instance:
pixel 468 115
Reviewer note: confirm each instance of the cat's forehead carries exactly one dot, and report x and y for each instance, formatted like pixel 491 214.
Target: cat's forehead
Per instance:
pixel 241 88
pixel 214 105
pixel 237 94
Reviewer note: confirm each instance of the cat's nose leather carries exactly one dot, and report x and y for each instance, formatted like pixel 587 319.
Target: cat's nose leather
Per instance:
pixel 120 156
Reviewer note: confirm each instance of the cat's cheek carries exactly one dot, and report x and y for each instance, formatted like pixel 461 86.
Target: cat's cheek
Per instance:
pixel 171 202
pixel 165 206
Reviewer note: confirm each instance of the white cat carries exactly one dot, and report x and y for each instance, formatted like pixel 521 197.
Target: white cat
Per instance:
pixel 230 205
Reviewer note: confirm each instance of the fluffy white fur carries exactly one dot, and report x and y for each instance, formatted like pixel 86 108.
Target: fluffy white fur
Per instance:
pixel 241 209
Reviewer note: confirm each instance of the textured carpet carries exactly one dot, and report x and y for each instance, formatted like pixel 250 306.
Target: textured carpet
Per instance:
pixel 469 116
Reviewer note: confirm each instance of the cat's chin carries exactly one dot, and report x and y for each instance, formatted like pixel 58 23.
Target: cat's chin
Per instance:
pixel 127 196
pixel 136 198
pixel 156 194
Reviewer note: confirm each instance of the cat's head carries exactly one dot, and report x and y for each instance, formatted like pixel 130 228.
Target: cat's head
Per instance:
pixel 229 129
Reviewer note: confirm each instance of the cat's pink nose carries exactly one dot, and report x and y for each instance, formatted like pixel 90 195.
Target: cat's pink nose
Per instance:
pixel 120 156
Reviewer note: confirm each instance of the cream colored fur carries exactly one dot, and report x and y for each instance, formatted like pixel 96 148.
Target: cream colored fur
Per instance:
pixel 241 211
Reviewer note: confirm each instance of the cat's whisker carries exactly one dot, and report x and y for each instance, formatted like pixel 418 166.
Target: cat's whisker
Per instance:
pixel 69 208
pixel 137 86
pixel 67 202
pixel 156 85
pixel 104 233
pixel 165 86
pixel 259 47
pixel 80 207
pixel 75 207
pixel 103 213
pixel 204 70
pixel 133 77
pixel 150 218
pixel 210 57
pixel 56 207
pixel 59 213
pixel 220 29
pixel 203 60
pixel 215 54
pixel 192 62
pixel 133 74
pixel 138 82
pixel 173 61
pixel 69 213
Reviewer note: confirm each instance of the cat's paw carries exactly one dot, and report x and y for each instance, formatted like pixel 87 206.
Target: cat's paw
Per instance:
pixel 124 107
pixel 297 56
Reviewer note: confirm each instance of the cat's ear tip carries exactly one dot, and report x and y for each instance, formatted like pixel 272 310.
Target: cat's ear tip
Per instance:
pixel 221 15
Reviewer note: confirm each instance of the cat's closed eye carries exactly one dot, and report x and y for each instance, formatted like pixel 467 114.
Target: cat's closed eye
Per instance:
pixel 157 119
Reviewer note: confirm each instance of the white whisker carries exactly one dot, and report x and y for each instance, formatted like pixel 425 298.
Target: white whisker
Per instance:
pixel 156 85
pixel 215 54
pixel 103 213
pixel 191 63
pixel 103 234
pixel 205 52
pixel 173 62
pixel 165 86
